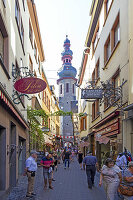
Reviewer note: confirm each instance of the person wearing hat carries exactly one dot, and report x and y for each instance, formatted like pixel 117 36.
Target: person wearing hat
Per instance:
pixel 91 163
pixel 30 170
pixel 47 163
pixel 128 179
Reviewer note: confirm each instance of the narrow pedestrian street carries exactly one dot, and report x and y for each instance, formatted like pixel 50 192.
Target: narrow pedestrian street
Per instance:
pixel 70 184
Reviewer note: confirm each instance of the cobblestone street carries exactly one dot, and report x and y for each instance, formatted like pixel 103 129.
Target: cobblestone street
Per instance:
pixel 70 184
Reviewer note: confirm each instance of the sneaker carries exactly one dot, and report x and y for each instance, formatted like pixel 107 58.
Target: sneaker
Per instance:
pixel 29 195
pixel 64 167
pixel 33 194
pixel 50 187
pixel 89 187
pixel 53 179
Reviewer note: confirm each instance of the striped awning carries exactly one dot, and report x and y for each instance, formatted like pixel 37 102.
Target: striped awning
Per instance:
pixel 11 107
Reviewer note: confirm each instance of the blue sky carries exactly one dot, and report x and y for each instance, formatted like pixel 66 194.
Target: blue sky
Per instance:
pixel 56 19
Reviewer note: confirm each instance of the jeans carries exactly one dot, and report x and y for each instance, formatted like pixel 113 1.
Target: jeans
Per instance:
pixel 90 172
pixel 67 160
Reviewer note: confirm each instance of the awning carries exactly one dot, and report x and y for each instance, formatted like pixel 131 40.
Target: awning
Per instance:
pixel 84 144
pixel 103 140
pixel 10 105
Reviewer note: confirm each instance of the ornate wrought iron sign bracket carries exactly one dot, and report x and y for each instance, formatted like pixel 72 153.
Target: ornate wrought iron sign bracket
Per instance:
pixel 18 73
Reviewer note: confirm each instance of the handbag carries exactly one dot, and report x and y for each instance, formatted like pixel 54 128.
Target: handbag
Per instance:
pixel 125 190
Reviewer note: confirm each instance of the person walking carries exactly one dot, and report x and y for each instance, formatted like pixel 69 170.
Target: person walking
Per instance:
pixel 30 170
pixel 127 183
pixel 91 164
pixel 47 163
pixel 111 176
pixel 67 158
pixel 80 158
pixel 55 160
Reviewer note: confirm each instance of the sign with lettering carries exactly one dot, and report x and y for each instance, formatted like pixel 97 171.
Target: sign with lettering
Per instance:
pixel 30 85
pixel 91 94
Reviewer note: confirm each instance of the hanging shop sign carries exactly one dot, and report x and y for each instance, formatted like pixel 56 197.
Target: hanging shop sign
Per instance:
pixel 91 94
pixel 30 85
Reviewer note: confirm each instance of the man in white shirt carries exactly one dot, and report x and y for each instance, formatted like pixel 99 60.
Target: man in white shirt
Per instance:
pixel 30 170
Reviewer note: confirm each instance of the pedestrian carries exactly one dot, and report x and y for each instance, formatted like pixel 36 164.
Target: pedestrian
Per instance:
pixel 126 188
pixel 53 167
pixel 67 158
pixel 30 170
pixel 111 176
pixel 80 158
pixel 121 161
pixel 55 160
pixel 47 163
pixel 91 164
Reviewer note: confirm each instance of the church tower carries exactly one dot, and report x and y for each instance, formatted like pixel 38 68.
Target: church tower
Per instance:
pixel 67 88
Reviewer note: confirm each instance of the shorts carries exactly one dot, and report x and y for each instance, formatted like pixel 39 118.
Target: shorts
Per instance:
pixel 46 174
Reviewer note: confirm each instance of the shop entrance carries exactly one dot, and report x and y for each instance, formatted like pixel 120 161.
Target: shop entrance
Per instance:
pixel 12 156
pixel 2 158
pixel 21 155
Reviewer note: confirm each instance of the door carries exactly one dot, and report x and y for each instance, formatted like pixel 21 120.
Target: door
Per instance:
pixel 21 155
pixel 2 158
pixel 12 155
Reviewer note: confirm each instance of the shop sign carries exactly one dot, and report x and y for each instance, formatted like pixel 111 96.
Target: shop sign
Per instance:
pixel 30 85
pixel 109 129
pixel 91 94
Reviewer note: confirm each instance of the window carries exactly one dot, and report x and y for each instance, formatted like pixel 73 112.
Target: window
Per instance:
pixel 73 89
pixel 116 81
pixel 35 51
pixel 97 70
pixel 96 38
pixel 67 87
pixel 49 124
pixel 1 47
pixel 19 23
pixel 45 96
pixel 30 33
pixel 4 54
pixel 108 4
pixel 60 89
pixel 67 60
pixel 49 105
pixel 39 65
pixel 17 13
pixel 30 64
pixel 95 109
pixel 115 33
pixel 47 101
pixel 4 3
pixel 23 4
pixel 107 50
pixel 93 78
pixel 22 33
pixel 83 123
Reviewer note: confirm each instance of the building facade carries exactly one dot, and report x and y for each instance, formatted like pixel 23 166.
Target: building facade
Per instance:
pixel 106 60
pixel 67 89
pixel 14 138
pixel 21 52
